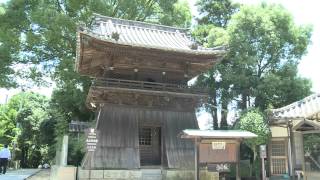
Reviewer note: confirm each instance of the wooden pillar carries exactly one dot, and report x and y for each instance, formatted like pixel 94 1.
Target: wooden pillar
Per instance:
pixel 135 74
pixel 238 162
pixel 163 77
pixel 196 159
pixel 292 153
pixel 162 147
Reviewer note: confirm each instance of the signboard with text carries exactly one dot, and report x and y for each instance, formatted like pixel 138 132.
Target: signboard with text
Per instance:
pixel 219 145
pixel 217 152
pixel 92 140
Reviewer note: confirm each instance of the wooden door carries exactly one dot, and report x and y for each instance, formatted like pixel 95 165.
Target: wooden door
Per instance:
pixel 150 146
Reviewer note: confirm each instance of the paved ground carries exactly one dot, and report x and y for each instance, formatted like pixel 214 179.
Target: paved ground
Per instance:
pixel 41 175
pixel 313 175
pixel 20 174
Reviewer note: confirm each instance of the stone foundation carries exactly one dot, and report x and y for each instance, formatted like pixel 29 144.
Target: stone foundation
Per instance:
pixel 144 174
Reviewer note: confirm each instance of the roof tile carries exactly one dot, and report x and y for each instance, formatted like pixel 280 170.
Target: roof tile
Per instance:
pixel 143 34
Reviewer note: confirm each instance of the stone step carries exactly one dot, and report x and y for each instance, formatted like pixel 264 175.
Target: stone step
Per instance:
pixel 151 174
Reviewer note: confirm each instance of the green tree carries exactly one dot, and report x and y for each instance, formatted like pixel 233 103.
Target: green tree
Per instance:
pixel 42 34
pixel 179 16
pixel 210 32
pixel 282 87
pixel 216 12
pixel 254 121
pixel 24 113
pixel 262 40
pixel 8 128
pixel 260 67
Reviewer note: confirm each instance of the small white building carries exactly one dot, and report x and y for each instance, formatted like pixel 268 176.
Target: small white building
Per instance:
pixel 288 125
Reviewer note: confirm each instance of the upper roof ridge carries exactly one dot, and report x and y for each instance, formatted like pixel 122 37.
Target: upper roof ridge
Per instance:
pixel 98 18
pixel 298 103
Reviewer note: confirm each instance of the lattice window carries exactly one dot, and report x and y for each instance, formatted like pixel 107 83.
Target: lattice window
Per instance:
pixel 278 148
pixel 278 157
pixel 279 166
pixel 145 136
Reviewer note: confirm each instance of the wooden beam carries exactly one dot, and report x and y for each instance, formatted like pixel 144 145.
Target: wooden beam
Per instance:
pixel 238 177
pixel 153 92
pixel 310 132
pixel 196 159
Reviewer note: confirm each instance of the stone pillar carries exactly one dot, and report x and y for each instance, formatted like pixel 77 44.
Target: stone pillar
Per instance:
pixel 64 151
pixel 299 151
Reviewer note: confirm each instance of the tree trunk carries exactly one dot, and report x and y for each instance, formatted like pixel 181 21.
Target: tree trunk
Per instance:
pixel 24 156
pixel 243 103
pixel 224 110
pixel 253 173
pixel 214 110
pixel 213 104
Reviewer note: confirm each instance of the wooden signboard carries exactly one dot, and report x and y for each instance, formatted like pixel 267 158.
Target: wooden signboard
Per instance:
pixel 218 152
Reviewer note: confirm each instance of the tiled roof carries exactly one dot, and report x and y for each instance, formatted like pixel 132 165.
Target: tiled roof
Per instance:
pixel 142 34
pixel 307 108
pixel 300 123
pixel 217 134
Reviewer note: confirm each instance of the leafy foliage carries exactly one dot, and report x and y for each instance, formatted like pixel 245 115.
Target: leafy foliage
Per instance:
pixel 42 34
pixel 263 42
pixel 260 67
pixel 8 128
pixel 311 142
pixel 254 121
pixel 24 119
pixel 216 12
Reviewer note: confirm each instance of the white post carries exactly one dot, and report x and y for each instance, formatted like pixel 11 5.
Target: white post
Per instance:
pixel 263 155
pixel 263 170
pixel 64 152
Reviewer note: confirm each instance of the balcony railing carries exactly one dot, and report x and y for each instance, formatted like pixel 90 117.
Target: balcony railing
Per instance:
pixel 149 86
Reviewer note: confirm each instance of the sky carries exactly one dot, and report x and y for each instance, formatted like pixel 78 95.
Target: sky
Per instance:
pixel 304 12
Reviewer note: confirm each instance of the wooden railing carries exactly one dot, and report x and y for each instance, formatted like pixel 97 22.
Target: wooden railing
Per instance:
pixel 150 86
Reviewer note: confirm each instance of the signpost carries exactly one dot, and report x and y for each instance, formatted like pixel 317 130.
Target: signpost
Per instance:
pixel 263 155
pixel 92 140
pixel 91 145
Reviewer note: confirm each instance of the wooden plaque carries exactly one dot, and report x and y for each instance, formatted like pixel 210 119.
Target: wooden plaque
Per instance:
pixel 207 154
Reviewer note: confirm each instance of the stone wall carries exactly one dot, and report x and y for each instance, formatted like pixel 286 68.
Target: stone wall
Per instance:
pixel 63 173
pixel 144 174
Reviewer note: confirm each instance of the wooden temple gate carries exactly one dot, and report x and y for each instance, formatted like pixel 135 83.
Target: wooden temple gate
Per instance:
pixel 140 73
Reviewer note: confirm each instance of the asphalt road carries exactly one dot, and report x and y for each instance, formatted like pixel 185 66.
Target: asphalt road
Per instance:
pixel 19 174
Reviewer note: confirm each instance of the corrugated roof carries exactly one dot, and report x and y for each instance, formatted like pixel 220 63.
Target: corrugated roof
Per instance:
pixel 307 108
pixel 142 34
pixel 217 134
